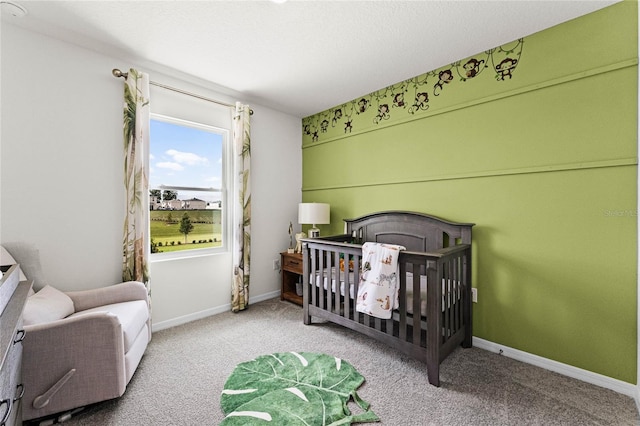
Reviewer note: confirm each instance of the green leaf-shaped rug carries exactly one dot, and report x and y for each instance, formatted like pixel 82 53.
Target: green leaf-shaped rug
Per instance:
pixel 293 389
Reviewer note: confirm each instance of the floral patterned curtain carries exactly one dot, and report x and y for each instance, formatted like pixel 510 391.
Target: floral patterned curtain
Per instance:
pixel 241 208
pixel 135 242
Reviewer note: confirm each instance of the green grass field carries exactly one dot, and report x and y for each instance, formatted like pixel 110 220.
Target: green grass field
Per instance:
pixel 165 229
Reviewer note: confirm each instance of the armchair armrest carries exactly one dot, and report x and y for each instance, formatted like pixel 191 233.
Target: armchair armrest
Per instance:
pixel 91 344
pixel 123 292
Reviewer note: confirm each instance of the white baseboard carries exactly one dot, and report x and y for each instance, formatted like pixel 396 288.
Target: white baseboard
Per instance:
pixel 162 325
pixel 560 368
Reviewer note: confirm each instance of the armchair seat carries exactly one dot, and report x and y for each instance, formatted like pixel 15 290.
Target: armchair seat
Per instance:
pixel 133 317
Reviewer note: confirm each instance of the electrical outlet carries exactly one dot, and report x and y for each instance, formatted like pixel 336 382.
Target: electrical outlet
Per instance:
pixel 276 265
pixel 474 295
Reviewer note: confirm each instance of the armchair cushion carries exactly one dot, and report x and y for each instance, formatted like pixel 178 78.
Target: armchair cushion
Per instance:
pixel 48 304
pixel 123 292
pixel 133 316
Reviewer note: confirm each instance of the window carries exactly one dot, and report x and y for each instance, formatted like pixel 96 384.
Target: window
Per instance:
pixel 188 166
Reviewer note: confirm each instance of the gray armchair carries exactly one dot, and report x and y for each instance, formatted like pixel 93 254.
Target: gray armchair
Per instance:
pixel 80 347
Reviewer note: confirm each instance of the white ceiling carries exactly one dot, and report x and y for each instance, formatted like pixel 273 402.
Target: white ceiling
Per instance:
pixel 299 57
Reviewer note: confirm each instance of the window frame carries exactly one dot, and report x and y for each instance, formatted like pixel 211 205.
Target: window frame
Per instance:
pixel 225 191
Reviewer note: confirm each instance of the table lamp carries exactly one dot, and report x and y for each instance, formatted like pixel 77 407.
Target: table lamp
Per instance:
pixel 313 214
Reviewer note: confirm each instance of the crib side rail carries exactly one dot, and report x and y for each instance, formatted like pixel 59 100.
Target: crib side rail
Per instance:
pixel 331 264
pixel 334 266
pixel 449 292
pixel 341 238
pixel 446 303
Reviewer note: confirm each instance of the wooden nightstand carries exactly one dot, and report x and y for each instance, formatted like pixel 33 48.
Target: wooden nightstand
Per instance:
pixel 291 274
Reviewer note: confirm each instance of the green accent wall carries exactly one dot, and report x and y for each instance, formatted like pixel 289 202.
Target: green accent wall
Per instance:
pixel 545 164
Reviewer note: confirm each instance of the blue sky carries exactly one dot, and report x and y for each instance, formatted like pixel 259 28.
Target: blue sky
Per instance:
pixel 185 156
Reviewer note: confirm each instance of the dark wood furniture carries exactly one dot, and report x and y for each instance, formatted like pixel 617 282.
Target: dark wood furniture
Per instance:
pixel 428 325
pixel 11 336
pixel 291 264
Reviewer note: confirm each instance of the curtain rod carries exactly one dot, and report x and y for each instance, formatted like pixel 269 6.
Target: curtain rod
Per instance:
pixel 117 73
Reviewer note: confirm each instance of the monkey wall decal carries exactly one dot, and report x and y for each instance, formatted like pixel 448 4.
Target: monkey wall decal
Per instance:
pixel 363 104
pixel 505 68
pixel 472 67
pixel 508 56
pixel 337 115
pixel 444 77
pixel 347 125
pixel 310 126
pixel 383 113
pixel 398 100
pixel 348 116
pixel 324 125
pixel 420 103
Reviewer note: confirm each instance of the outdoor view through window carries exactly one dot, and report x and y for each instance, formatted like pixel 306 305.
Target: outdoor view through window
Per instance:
pixel 186 193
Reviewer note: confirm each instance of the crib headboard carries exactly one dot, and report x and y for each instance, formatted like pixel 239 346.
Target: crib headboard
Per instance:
pixel 415 231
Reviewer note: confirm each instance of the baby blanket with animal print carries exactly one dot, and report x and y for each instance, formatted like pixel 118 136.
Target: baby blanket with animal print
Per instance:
pixel 378 287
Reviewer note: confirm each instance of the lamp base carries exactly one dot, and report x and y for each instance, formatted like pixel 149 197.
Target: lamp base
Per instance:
pixel 314 233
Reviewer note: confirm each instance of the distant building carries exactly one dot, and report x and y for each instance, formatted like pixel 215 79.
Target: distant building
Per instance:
pixel 172 204
pixel 194 204
pixel 155 203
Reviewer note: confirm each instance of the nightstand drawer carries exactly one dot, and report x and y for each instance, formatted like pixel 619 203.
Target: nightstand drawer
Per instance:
pixel 292 264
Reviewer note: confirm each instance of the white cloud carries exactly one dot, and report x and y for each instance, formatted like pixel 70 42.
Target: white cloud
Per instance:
pixel 187 158
pixel 169 165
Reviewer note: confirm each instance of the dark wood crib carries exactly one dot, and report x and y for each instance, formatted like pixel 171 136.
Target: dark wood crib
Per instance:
pixel 434 312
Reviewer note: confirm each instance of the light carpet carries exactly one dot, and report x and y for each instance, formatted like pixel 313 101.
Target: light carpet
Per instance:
pixel 180 378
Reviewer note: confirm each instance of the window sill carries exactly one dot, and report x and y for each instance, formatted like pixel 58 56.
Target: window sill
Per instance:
pixel 187 254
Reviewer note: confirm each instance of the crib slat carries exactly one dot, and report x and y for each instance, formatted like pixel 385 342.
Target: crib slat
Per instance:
pixel 348 282
pixel 306 318
pixel 451 327
pixel 466 299
pixel 327 266
pixel 314 276
pixel 319 276
pixel 338 291
pixel 323 276
pixel 330 280
pixel 456 271
pixel 452 301
pixel 356 283
pixel 444 284
pixel 402 303
pixel 417 304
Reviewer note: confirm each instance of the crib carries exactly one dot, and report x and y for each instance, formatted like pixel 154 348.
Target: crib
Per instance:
pixel 434 313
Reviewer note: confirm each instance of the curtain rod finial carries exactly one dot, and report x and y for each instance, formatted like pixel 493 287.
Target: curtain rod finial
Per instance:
pixel 117 73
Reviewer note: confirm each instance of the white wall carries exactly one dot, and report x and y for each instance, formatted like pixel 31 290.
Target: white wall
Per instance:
pixel 61 175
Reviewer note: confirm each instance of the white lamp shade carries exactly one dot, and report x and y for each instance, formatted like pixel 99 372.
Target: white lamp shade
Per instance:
pixel 313 213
